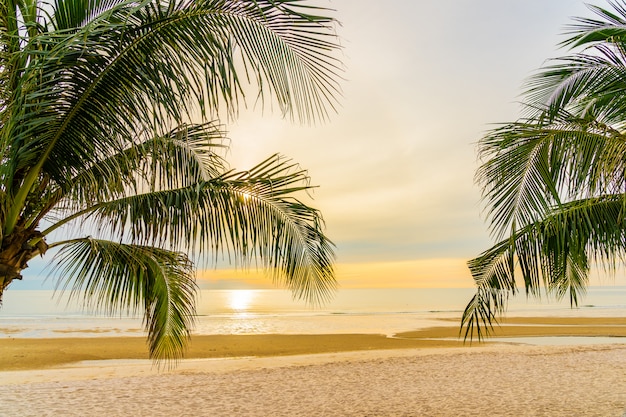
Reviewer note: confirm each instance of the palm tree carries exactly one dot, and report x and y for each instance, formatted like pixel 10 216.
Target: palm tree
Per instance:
pixel 102 159
pixel 555 181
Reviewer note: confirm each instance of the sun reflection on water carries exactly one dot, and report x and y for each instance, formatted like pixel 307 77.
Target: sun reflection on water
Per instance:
pixel 240 300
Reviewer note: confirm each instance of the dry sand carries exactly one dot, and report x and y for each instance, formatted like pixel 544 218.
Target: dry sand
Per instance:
pixel 354 375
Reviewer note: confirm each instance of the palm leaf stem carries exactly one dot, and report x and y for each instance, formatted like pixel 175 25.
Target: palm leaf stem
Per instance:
pixel 73 217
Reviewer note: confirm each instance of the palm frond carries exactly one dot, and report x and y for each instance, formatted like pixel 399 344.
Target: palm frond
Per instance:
pixel 608 27
pixel 556 180
pixel 553 252
pixel 481 313
pixel 532 166
pixel 590 80
pixel 120 278
pixel 71 15
pixel 179 158
pixel 248 215
pixel 583 85
pixel 290 51
pixel 142 66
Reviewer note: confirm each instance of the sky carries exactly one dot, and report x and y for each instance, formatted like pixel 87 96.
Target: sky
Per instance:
pixel 423 82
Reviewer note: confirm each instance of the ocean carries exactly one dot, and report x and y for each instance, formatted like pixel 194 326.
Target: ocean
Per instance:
pixel 39 313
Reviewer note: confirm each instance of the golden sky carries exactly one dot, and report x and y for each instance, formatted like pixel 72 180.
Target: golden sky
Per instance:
pixel 419 273
pixel 423 82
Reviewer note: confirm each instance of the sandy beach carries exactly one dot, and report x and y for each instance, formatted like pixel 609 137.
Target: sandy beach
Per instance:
pixel 324 375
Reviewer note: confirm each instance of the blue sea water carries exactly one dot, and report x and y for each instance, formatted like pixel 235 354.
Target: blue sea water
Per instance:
pixel 38 313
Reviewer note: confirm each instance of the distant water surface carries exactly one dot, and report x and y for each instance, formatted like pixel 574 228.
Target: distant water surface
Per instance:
pixel 34 313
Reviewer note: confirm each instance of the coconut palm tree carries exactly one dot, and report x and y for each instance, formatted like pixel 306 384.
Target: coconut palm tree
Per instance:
pixel 555 181
pixel 111 149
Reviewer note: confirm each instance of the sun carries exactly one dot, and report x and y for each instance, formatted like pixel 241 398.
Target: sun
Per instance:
pixel 239 300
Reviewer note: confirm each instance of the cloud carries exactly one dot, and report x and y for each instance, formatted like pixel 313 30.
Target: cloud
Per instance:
pixel 424 82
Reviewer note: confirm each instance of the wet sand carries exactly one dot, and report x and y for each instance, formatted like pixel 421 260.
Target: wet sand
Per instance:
pixel 18 354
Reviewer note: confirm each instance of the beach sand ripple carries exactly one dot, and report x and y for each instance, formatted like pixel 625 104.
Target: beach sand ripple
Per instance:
pixel 515 381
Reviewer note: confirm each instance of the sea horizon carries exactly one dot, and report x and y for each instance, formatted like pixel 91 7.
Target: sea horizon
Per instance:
pixel 38 314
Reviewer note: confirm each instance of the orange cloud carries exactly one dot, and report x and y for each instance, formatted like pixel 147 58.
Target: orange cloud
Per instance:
pixel 421 273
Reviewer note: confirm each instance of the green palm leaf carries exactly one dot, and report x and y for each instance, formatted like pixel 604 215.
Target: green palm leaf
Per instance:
pixel 178 158
pixel 182 157
pixel 553 252
pixel 121 77
pixel 122 278
pixel 251 214
pixel 556 181
pixel 533 165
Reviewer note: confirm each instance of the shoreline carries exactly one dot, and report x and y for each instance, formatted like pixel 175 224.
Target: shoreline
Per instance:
pixel 45 353
pixel 30 354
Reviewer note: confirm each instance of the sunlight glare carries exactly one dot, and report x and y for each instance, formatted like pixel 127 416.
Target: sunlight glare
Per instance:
pixel 239 300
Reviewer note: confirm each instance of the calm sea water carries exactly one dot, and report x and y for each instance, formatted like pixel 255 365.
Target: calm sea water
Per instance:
pixel 31 313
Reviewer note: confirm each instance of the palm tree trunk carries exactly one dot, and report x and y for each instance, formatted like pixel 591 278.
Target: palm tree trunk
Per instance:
pixel 15 252
pixel 7 275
